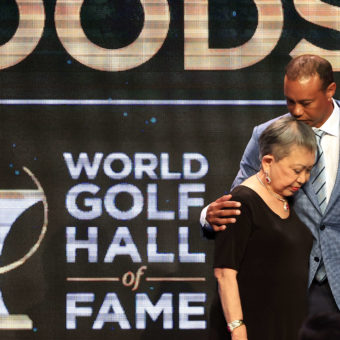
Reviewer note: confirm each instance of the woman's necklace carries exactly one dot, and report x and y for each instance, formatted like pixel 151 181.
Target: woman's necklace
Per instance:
pixel 285 203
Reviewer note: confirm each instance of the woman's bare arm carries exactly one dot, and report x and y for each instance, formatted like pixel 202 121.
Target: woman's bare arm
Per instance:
pixel 230 299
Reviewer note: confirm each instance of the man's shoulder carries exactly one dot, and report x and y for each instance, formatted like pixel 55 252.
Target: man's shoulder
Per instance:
pixel 262 126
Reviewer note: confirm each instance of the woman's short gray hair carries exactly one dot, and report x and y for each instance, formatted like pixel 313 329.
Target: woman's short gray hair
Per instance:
pixel 278 138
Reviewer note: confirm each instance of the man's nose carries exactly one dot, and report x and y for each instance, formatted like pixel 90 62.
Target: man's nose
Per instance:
pixel 297 111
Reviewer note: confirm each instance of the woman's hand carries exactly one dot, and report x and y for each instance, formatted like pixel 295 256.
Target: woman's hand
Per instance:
pixel 239 333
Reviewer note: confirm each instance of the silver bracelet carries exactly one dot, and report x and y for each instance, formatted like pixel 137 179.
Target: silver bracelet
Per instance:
pixel 234 324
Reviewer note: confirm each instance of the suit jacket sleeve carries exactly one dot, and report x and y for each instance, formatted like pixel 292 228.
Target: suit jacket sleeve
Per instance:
pixel 250 162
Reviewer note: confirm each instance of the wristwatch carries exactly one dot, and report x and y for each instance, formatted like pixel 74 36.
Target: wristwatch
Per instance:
pixel 234 324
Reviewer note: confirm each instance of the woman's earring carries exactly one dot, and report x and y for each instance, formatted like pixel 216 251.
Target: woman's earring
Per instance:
pixel 268 179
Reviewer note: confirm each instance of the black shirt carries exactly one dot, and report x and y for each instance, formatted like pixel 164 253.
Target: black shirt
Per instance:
pixel 271 256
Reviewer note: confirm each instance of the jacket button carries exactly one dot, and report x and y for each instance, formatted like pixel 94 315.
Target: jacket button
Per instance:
pixel 322 227
pixel 316 259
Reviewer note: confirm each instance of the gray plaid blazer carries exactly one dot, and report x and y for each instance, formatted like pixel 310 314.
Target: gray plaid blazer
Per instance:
pixel 324 227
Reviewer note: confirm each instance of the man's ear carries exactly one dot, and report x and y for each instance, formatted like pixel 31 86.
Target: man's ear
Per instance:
pixel 330 91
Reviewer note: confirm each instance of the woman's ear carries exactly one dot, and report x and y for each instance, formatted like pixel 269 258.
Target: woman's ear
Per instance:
pixel 267 161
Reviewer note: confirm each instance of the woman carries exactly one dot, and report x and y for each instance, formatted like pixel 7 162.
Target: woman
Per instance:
pixel 261 262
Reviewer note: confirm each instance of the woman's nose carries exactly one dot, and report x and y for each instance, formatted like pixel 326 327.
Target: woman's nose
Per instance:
pixel 303 178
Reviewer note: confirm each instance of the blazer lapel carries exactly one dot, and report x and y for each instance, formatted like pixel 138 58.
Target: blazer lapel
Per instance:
pixel 335 191
pixel 309 191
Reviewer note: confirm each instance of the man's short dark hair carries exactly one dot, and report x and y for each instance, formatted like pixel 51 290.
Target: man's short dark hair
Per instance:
pixel 308 65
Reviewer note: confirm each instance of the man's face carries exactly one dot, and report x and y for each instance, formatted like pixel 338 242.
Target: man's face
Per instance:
pixel 307 101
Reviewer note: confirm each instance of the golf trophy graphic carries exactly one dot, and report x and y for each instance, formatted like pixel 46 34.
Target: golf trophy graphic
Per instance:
pixel 13 203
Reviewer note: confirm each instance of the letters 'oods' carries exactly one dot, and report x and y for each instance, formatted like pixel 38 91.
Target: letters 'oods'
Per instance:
pixel 197 54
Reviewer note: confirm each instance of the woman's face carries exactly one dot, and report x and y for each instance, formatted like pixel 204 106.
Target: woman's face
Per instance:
pixel 292 171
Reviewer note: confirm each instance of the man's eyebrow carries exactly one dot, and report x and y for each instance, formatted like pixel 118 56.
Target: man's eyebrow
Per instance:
pixel 299 101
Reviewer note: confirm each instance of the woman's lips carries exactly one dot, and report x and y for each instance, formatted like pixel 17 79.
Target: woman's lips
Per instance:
pixel 295 189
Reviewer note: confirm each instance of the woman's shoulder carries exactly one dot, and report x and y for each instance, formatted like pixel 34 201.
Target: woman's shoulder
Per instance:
pixel 244 194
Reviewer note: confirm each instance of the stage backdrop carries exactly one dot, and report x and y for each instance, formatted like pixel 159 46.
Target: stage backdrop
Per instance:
pixel 120 120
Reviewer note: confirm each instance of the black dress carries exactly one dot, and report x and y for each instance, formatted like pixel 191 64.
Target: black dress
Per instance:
pixel 271 256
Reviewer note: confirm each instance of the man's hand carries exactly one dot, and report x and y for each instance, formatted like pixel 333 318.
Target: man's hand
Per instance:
pixel 222 212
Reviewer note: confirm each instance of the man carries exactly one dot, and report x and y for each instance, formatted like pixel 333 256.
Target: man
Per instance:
pixel 308 87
